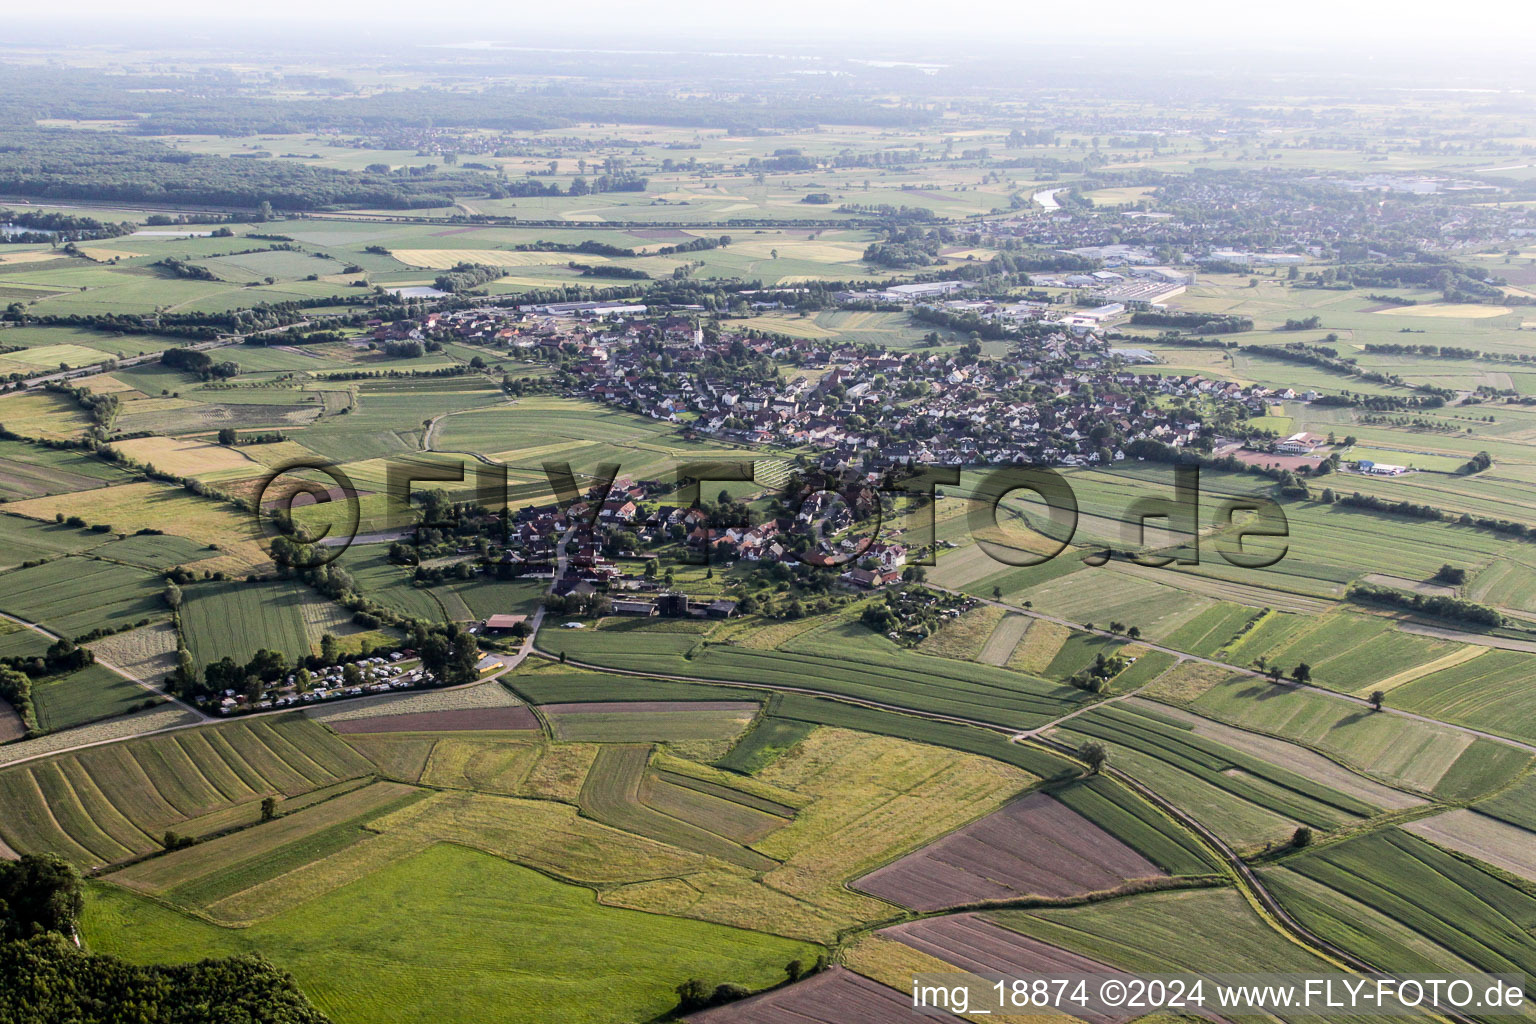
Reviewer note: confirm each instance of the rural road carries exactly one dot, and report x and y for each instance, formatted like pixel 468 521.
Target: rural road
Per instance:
pixel 32 383
pixel 1182 656
pixel 107 665
pixel 1247 880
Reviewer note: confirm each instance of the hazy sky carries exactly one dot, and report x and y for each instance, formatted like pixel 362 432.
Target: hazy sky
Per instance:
pixel 1370 24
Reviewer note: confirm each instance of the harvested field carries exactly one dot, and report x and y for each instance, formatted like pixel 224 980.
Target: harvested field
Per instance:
pixel 875 798
pixel 1458 656
pixel 167 716
pixel 1039 646
pixel 31 256
pixel 1188 680
pixel 233 539
pixel 964 637
pixel 468 719
pixel 41 414
pixel 1294 756
pixel 834 996
pixel 482 764
pixel 146 653
pixel 487 695
pixel 1036 846
pixel 1470 311
pixel 11 725
pixel 1005 637
pixel 972 943
pixel 101 254
pixel 398 756
pixel 446 259
pixel 185 457
pixel 1477 835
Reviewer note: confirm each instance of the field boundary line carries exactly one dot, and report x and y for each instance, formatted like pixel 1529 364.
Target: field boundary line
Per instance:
pixel 34 627
pixel 1239 670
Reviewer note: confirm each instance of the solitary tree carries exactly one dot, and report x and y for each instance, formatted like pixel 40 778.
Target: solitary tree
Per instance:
pixel 794 970
pixel 268 808
pixel 1378 697
pixel 172 596
pixel 1302 672
pixel 1301 837
pixel 1134 632
pixel 1094 755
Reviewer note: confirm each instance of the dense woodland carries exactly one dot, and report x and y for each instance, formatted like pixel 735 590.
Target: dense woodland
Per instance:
pixel 46 979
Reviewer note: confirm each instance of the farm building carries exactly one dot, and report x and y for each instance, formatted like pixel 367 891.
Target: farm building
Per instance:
pixel 1380 468
pixel 503 623
pixel 1298 444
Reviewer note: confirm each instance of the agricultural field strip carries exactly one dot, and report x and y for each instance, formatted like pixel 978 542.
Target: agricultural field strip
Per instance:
pixel 52 637
pixel 1240 670
pixel 1456 905
pixel 835 695
pixel 1489 839
pixel 1285 792
pixel 1034 846
pixel 613 795
pixel 963 691
pixel 133 788
pixel 1303 760
pixel 231 852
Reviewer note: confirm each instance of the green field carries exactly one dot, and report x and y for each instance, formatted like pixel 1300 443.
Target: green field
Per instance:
pixel 73 596
pixel 1488 692
pixel 438 932
pixel 762 745
pixel 1167 932
pixel 1414 755
pixel 1408 906
pixel 105 804
pixel 25 540
pixel 680 724
pixel 1243 798
pixel 616 793
pixel 30 471
pixel 961 689
pixel 237 619
pixel 1138 824
pixel 92 692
